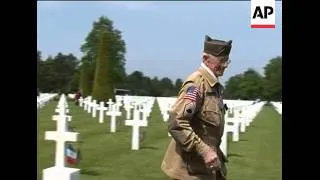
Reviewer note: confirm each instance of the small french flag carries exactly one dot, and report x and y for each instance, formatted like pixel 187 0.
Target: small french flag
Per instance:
pixel 71 155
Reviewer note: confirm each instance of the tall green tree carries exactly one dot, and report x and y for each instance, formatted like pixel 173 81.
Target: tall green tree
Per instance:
pixel 103 83
pixel 116 49
pixel 86 77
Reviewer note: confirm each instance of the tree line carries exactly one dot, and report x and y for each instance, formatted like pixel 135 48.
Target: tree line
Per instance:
pixel 101 69
pixel 251 85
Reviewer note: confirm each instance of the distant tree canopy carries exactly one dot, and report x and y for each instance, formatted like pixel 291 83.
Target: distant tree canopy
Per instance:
pixel 102 69
pixel 251 85
pixel 57 74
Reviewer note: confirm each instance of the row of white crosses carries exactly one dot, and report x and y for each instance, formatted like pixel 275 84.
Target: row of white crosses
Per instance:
pixel 44 98
pixel 238 108
pixel 113 110
pixel 140 106
pixel 277 106
pixel 165 104
pixel 243 115
pixel 61 136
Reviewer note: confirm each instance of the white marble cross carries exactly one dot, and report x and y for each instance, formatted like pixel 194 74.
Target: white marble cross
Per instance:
pixel 59 171
pixel 109 102
pixel 94 108
pixel 90 105
pixel 62 110
pixel 62 104
pixel 127 101
pixel 241 118
pixel 61 135
pixel 144 112
pixel 58 117
pixel 101 109
pixel 57 110
pixel 128 108
pixel 113 112
pixel 81 101
pixel 232 125
pixel 136 123
pixel 86 102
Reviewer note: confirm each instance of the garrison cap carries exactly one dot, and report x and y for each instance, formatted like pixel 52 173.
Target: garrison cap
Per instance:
pixel 217 47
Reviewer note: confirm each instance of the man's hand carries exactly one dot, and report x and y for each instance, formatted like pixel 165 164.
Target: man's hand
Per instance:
pixel 211 159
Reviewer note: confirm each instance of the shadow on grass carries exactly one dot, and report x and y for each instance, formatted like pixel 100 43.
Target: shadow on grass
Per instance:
pixel 234 155
pixel 243 140
pixel 149 147
pixel 89 172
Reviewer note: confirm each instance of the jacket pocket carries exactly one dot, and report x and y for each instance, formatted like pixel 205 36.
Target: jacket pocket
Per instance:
pixel 212 117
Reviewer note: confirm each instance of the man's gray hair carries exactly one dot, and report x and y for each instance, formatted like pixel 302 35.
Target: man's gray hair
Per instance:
pixel 209 55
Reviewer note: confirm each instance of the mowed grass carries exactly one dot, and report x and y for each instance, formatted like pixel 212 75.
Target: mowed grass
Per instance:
pixel 105 155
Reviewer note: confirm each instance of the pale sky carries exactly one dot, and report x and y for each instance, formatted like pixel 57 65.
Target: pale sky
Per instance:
pixel 163 39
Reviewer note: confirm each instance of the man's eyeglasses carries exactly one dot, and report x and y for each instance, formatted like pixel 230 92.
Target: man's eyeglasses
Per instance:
pixel 225 62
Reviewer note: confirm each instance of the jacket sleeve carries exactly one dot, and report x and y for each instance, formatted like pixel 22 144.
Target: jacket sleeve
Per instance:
pixel 187 103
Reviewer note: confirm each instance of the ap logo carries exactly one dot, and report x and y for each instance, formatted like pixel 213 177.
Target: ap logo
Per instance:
pixel 263 13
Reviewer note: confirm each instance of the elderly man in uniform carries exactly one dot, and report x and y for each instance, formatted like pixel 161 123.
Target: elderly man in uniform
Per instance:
pixel 196 120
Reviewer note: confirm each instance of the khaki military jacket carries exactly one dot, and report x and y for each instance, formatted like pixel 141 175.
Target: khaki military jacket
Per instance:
pixel 196 123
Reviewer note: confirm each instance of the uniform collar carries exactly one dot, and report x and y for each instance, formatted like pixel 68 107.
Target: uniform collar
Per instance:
pixel 208 74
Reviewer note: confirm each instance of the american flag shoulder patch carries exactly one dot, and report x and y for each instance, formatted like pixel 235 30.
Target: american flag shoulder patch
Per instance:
pixel 192 93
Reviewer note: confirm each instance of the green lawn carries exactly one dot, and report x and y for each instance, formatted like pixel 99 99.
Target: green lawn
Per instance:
pixel 108 155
